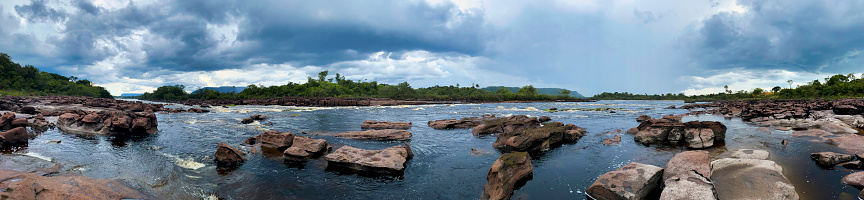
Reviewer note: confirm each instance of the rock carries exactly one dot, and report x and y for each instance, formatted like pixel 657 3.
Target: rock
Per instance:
pixel 633 130
pixel 247 121
pixel 6 120
pixel 276 140
pixel 544 119
pixel 20 122
pixel 846 110
pixel 750 179
pixel 14 137
pixel 386 134
pixel 749 154
pixel 510 170
pixel 642 118
pixel 538 139
pixel 454 123
pixel 258 117
pixel 855 179
pixel 306 146
pixel 699 138
pixel 21 185
pixel 851 164
pixel 29 110
pixel 811 133
pixel 764 130
pixel 851 143
pixel 226 155
pixel 611 141
pixel 92 118
pixel 686 177
pixel 837 128
pixel 830 158
pixel 107 123
pixel 197 110
pixel 632 181
pixel 670 130
pixel 370 124
pixel 387 161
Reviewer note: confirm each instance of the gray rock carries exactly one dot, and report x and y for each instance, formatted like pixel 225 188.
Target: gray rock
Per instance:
pixel 831 158
pixel 632 181
pixel 750 179
pixel 749 154
pixel 686 177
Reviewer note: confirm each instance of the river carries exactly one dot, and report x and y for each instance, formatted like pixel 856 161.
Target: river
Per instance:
pixel 176 163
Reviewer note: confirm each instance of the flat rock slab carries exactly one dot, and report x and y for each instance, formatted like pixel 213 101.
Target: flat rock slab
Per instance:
pixel 508 171
pixel 686 177
pixel 851 143
pixel 632 181
pixel 386 160
pixel 22 185
pixel 749 154
pixel 750 179
pixel 855 179
pixel 306 146
pixel 386 134
pixel 370 124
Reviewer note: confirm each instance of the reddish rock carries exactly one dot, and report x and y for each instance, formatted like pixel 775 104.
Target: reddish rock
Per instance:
pixel 611 141
pixel 227 155
pixel 851 143
pixel 686 177
pixel 20 122
pixel 276 140
pixel 370 124
pixel 830 158
pixel 387 161
pixel 643 118
pixel 22 185
pixel 632 181
pixel 510 170
pixel 854 179
pixel 749 154
pixel 92 118
pixel 750 179
pixel 6 120
pixel 544 119
pixel 306 146
pixel 16 136
pixel 538 139
pixel 386 134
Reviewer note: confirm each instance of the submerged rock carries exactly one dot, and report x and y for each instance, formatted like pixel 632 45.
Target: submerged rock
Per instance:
pixel 387 161
pixel 227 155
pixel 509 171
pixel 370 124
pixel 686 177
pixel 386 134
pixel 21 185
pixel 632 181
pixel 831 158
pixel 538 139
pixel 750 179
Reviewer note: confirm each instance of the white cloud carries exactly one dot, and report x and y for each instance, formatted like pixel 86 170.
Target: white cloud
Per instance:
pixel 747 79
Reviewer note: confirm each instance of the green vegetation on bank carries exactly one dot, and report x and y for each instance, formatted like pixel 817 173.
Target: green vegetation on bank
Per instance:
pixel 834 87
pixel 339 86
pixel 30 81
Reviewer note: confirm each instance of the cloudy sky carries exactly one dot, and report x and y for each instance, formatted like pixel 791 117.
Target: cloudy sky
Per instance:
pixel 589 46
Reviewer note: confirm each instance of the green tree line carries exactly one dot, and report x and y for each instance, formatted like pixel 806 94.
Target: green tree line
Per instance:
pixel 28 80
pixel 834 87
pixel 340 86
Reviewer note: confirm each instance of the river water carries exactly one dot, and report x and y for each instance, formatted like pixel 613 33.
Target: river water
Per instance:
pixel 177 162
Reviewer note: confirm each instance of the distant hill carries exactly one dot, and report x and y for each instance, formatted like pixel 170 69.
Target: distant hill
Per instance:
pixel 223 89
pixel 546 91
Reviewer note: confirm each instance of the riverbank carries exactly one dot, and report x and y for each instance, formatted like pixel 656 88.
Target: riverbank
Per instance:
pixel 337 101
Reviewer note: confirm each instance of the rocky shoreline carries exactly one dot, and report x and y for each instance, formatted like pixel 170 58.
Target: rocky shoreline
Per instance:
pixel 335 101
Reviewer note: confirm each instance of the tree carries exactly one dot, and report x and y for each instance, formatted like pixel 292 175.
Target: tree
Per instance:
pixel 776 89
pixel 322 75
pixel 726 87
pixel 790 83
pixel 503 90
pixel 527 90
pixel 564 92
pixel 758 91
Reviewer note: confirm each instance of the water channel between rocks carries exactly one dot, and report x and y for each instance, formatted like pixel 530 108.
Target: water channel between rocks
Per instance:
pixel 177 162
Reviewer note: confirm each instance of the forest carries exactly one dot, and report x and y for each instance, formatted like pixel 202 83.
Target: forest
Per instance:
pixel 834 87
pixel 339 86
pixel 30 81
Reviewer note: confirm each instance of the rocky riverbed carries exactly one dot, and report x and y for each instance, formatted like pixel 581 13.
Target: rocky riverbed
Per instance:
pixel 450 151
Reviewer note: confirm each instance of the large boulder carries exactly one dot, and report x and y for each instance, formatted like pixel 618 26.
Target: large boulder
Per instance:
pixel 6 120
pixel 699 138
pixel 632 181
pixel 538 139
pixel 468 122
pixel 686 177
pixel 227 155
pixel 386 161
pixel 22 185
pixel 276 140
pixel 830 158
pixel 510 170
pixel 16 136
pixel 107 123
pixel 306 146
pixel 370 124
pixel 670 130
pixel 386 134
pixel 750 179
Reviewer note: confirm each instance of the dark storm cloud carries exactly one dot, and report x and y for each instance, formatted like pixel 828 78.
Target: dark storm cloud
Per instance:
pixel 37 11
pixel 795 35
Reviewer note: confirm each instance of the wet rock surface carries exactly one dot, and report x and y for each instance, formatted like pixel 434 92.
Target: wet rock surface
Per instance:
pixel 21 185
pixel 670 130
pixel 386 134
pixel 538 139
pixel 275 139
pixel 305 146
pixel 228 156
pixel 385 161
pixel 370 124
pixel 632 181
pixel 107 122
pixel 15 137
pixel 830 158
pixel 508 172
